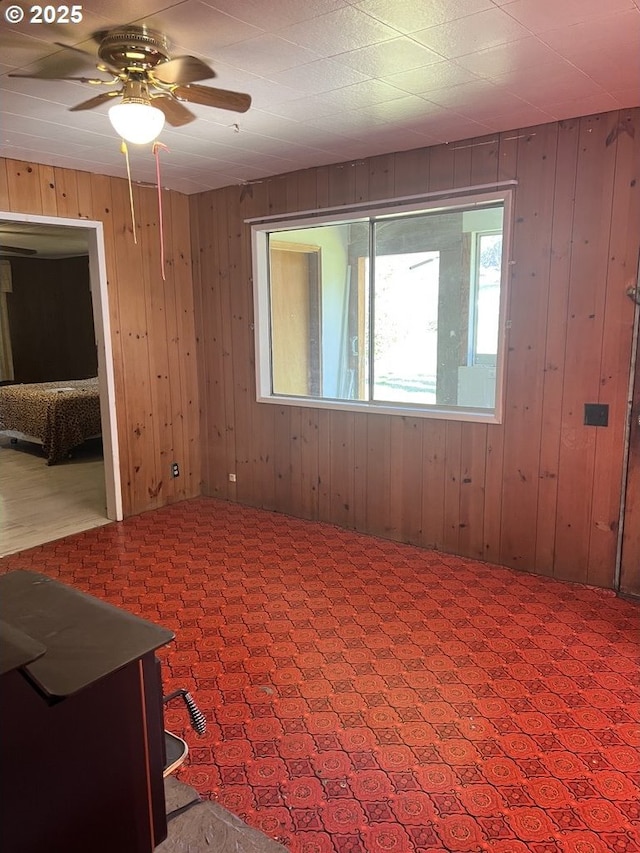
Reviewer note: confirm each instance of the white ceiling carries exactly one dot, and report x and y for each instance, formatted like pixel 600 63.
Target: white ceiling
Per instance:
pixel 331 80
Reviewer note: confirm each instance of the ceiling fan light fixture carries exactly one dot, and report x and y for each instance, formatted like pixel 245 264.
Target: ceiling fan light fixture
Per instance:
pixel 136 120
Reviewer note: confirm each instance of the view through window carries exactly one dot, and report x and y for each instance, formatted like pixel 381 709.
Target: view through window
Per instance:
pixel 396 310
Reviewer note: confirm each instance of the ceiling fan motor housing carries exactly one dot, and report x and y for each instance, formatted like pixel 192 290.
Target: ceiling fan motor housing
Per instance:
pixel 133 48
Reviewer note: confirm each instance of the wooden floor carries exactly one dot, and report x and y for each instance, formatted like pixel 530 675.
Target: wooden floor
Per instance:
pixel 40 503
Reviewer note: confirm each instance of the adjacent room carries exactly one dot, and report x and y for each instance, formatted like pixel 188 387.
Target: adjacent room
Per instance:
pixel 48 348
pixel 363 312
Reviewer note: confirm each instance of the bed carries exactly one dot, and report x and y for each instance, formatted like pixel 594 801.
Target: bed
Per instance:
pixel 57 415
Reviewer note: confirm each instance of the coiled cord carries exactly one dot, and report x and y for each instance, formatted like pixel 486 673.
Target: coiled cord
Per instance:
pixel 196 717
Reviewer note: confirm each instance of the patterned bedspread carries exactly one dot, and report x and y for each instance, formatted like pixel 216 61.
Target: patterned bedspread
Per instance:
pixel 59 414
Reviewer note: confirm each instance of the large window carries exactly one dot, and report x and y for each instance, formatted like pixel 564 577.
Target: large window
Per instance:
pixel 400 309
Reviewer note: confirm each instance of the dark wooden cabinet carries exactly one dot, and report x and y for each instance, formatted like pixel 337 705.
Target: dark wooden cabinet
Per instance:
pixel 81 723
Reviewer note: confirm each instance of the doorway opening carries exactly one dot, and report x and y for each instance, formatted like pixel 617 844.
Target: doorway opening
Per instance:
pixel 24 235
pixel 296 318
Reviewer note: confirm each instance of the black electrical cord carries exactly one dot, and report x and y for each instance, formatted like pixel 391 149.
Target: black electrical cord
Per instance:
pixel 182 809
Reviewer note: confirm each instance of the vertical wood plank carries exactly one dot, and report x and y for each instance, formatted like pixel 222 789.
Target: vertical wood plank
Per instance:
pixel 378 496
pixel 85 200
pixel 187 401
pixel 201 331
pixel 584 331
pixel 483 169
pixel 5 203
pixel 434 444
pixel 341 181
pixel 433 484
pixel 405 497
pixel 136 424
pixel 309 468
pixel 555 343
pixel 48 191
pixel 525 356
pixel 222 427
pixel 294 447
pixel 23 181
pixel 473 459
pixel 282 196
pixel 162 487
pixel 337 472
pixel 209 326
pixel 306 465
pixel 264 423
pixel 322 186
pixel 102 210
pixel 236 333
pixel 253 201
pixel 621 276
pixel 255 428
pixel 283 485
pixel 324 464
pixel 175 312
pixel 66 183
pixel 411 176
pixel 411 172
pixel 360 485
pixel 452 482
pixel 507 170
pixel 378 474
pixel 342 469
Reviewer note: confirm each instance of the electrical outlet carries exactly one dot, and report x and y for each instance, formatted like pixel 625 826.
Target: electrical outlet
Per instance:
pixel 232 478
pixel 596 414
pixel 175 469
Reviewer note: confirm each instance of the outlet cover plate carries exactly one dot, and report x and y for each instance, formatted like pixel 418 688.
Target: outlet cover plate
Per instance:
pixel 596 414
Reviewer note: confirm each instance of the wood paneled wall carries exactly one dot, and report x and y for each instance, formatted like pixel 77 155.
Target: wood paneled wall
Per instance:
pixel 541 491
pixel 152 321
pixel 51 319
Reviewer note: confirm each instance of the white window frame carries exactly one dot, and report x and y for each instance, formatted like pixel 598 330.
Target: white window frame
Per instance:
pixel 474 288
pixel 467 199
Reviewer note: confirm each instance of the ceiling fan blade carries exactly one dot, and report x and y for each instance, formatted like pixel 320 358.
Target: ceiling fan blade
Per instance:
pixel 93 80
pixel 16 250
pixel 73 47
pixel 175 113
pixel 91 57
pixel 210 97
pixel 66 63
pixel 95 102
pixel 182 70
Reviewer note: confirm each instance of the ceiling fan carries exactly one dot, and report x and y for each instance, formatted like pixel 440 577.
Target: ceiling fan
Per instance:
pixel 7 251
pixel 143 78
pixel 13 251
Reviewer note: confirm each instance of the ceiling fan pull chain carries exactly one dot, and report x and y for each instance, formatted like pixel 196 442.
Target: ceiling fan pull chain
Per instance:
pixel 156 151
pixel 125 151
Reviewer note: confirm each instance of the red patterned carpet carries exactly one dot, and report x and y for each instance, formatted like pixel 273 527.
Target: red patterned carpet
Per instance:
pixel 365 696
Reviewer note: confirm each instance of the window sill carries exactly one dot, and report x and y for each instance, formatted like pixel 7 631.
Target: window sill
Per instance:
pixel 450 413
